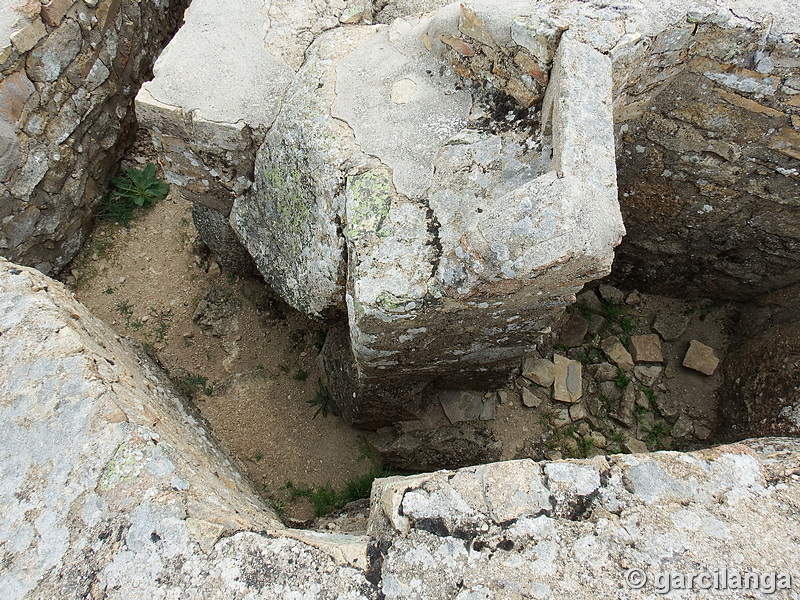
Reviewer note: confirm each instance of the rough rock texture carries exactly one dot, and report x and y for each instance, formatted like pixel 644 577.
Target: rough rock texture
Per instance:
pixel 110 487
pixel 70 70
pixel 761 394
pixel 576 528
pixel 447 278
pixel 707 114
pixel 208 118
pixel 451 279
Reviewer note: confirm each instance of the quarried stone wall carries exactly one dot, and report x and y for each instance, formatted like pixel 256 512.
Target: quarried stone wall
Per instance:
pixel 70 69
pixel 707 116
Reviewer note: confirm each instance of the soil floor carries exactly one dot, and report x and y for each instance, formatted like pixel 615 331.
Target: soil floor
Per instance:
pixel 247 362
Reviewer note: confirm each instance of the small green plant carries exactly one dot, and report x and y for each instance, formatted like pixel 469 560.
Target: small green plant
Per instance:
pixel 124 308
pixel 141 187
pixel 194 383
pixel 611 311
pixel 639 410
pixel 138 187
pixel 585 447
pixel 650 393
pixel 323 402
pixel 115 209
pixel 590 356
pixel 655 435
pixel 300 375
pixel 324 498
pixel 257 457
pixel 622 379
pixel 162 321
pixel 109 291
pixel 136 325
pixel 627 325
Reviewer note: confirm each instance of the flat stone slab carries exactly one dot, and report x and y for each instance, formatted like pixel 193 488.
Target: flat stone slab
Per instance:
pixel 539 370
pixel 567 382
pixel 646 348
pixel 700 357
pixel 617 353
pixel 461 406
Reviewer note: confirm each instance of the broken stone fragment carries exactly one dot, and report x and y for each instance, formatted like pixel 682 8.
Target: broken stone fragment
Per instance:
pixel 539 370
pixel 700 357
pixel 589 299
pixel 670 325
pixel 617 353
pixel 611 294
pixel 633 299
pixel 647 375
pixel 646 348
pixel 702 432
pixel 596 323
pixel 533 397
pixel 603 371
pixel 683 427
pixel 625 413
pixel 634 446
pixel 574 330
pixel 462 405
pixel 567 381
pixel 577 412
pixel 609 390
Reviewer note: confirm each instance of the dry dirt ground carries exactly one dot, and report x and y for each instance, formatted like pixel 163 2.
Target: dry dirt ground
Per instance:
pixel 248 363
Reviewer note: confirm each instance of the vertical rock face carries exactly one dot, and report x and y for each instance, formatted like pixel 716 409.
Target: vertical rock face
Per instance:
pixel 707 115
pixel 761 393
pixel 70 69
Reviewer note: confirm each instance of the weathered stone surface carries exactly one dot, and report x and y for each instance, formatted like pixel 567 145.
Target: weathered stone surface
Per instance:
pixel 603 371
pixel 465 405
pixel 94 438
pixel 72 127
pixel 611 294
pixel 567 379
pixel 217 234
pixel 617 353
pixel 705 163
pixel 448 447
pixel 207 119
pixel 574 330
pixel 700 357
pixel 760 393
pixel 646 348
pixel 670 325
pixel 533 397
pixel 568 522
pixel 634 446
pixel 539 370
